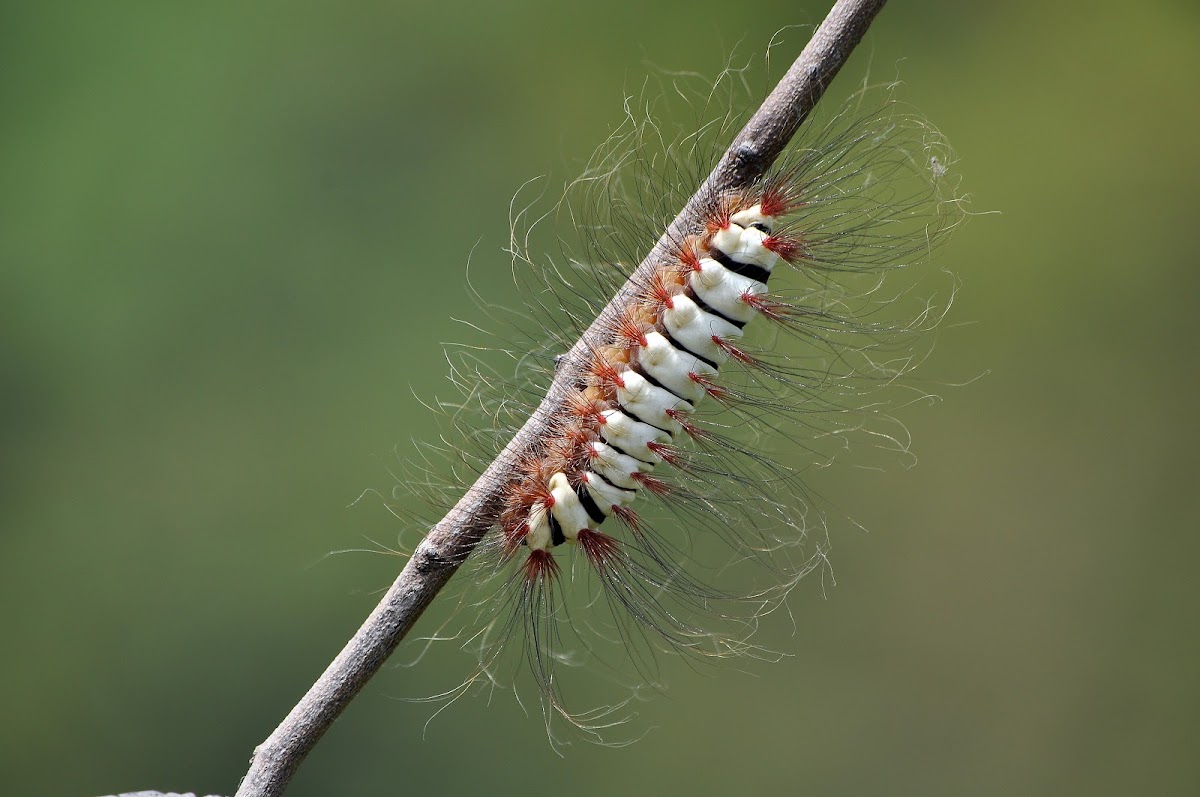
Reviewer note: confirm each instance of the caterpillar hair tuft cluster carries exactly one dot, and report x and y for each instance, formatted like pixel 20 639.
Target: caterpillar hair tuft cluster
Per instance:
pixel 766 327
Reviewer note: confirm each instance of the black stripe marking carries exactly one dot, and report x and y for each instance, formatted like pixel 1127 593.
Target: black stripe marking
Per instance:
pixel 602 478
pixel 703 305
pixel 637 369
pixel 620 450
pixel 758 225
pixel 751 270
pixel 593 510
pixel 638 418
pixel 666 333
pixel 556 533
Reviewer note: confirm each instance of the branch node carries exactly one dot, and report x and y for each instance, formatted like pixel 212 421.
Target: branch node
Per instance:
pixel 748 157
pixel 427 559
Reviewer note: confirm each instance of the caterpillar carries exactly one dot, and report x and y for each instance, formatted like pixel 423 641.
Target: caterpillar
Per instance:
pixel 770 321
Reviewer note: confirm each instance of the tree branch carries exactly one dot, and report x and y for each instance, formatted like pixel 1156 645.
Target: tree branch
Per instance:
pixel 449 542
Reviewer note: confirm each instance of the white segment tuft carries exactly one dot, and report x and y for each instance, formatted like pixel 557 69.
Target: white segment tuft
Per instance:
pixel 631 436
pixel 606 495
pixel 615 466
pixel 695 329
pixel 671 367
pixel 567 509
pixel 538 537
pixel 745 246
pixel 650 403
pixel 722 290
pixel 753 215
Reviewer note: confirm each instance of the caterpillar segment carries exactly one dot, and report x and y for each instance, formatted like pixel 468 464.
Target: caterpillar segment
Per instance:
pixel 665 355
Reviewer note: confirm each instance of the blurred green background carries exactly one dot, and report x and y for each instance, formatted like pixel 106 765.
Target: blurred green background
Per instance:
pixel 232 243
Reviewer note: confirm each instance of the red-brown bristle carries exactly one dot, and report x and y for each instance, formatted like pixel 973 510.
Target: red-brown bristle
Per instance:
pixel 681 418
pixel 734 352
pixel 660 292
pixel 773 309
pixel 514 535
pixel 627 516
pixel 529 466
pixel 651 483
pixel 689 260
pixel 670 454
pixel 578 435
pixel 561 454
pixel 788 247
pixel 606 373
pixel 515 511
pixel 777 200
pixel 629 331
pixel 583 407
pixel 719 213
pixel 599 548
pixel 540 568
pixel 534 491
pixel 526 490
pixel 710 387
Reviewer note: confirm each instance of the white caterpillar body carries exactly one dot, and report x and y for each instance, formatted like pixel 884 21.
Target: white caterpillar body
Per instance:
pixel 662 378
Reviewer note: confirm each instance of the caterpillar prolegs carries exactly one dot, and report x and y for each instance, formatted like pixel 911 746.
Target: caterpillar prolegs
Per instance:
pixel 769 329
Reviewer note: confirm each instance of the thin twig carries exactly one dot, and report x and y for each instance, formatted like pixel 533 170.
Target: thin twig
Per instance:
pixel 449 542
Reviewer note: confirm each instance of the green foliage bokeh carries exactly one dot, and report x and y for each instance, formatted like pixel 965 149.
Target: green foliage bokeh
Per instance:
pixel 232 243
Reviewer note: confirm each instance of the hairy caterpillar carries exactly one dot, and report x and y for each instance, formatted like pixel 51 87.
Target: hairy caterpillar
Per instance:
pixel 683 403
